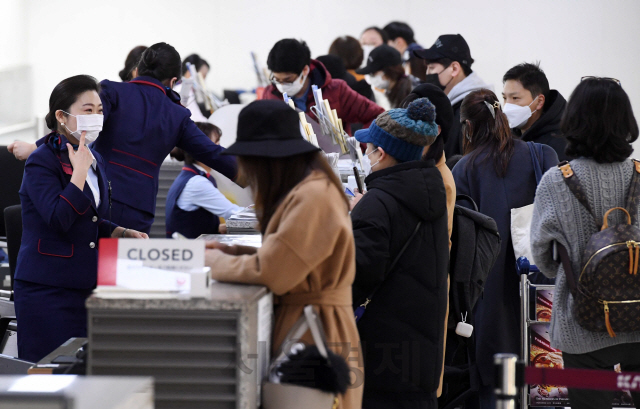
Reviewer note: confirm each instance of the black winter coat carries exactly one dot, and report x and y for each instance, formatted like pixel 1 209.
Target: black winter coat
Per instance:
pixel 401 331
pixel 546 130
pixel 453 146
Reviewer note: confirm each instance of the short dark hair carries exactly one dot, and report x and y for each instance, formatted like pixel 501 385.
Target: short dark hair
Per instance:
pixel 160 61
pixel 349 50
pixel 184 156
pixel 397 29
pixel 66 93
pixel 133 58
pixel 599 122
pixel 289 55
pixel 531 77
pixel 195 60
pixel 446 62
pixel 383 34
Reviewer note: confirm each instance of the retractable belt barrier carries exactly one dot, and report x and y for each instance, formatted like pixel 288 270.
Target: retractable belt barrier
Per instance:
pixel 540 379
pixel 512 374
pixel 601 380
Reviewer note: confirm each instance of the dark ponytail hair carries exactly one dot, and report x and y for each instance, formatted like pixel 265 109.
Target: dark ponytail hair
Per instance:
pixel 484 133
pixel 160 61
pixel 402 85
pixel 133 58
pixel 66 93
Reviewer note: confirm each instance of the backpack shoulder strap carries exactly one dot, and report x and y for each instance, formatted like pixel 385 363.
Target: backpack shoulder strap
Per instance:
pixel 633 198
pixel 573 183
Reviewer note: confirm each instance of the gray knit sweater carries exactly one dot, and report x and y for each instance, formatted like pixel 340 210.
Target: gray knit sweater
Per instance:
pixel 558 216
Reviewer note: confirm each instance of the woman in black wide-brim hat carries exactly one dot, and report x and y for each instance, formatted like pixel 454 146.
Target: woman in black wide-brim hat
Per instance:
pixel 307 254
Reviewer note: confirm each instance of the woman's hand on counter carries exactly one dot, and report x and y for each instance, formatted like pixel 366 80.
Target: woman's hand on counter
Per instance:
pixel 128 233
pixel 215 245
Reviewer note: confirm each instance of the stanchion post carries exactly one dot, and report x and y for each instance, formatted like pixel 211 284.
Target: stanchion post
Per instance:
pixel 506 390
pixel 523 267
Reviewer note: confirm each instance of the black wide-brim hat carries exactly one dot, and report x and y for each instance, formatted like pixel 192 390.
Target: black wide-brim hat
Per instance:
pixel 269 128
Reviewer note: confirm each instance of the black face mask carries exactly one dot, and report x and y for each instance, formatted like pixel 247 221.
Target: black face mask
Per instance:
pixel 435 80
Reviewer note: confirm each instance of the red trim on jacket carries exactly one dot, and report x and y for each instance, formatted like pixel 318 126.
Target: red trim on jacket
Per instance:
pixel 74 208
pixel 127 167
pixel 54 255
pixel 135 156
pixel 190 170
pixel 149 83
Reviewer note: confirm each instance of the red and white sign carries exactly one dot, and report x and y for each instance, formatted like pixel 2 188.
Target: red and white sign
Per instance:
pixel 155 264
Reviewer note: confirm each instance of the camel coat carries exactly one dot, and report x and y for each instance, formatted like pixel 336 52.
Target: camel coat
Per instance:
pixel 307 257
pixel 450 188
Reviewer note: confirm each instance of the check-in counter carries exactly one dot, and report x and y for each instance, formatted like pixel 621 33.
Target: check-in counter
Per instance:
pixel 77 392
pixel 209 352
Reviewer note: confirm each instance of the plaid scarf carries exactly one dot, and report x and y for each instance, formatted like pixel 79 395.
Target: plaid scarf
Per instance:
pixel 59 145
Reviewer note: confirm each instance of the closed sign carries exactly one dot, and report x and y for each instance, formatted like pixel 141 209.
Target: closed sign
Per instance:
pixel 165 254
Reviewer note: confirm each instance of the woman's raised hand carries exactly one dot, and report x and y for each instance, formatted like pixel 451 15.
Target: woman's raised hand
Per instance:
pixel 82 159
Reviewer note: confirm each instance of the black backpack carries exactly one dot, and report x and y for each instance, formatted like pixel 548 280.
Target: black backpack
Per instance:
pixel 475 246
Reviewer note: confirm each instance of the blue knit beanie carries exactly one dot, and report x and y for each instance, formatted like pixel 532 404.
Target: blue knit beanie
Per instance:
pixel 403 133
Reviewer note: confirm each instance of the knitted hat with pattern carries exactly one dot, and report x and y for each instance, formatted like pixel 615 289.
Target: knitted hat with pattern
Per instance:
pixel 403 133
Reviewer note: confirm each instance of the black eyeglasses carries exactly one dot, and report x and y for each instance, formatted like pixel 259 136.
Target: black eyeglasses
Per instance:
pixel 601 78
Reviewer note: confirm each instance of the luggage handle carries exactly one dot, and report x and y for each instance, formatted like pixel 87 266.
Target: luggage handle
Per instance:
pixel 606 216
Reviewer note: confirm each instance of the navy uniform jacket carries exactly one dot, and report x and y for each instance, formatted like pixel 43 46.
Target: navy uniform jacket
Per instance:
pixel 143 122
pixel 61 224
pixel 193 223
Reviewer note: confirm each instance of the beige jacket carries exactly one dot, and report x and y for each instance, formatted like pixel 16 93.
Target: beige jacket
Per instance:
pixel 450 188
pixel 307 257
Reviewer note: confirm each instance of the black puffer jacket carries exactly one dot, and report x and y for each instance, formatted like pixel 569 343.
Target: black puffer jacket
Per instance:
pixel 546 130
pixel 402 329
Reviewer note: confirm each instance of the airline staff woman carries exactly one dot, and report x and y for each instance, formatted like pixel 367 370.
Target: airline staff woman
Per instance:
pixel 194 201
pixel 143 122
pixel 65 203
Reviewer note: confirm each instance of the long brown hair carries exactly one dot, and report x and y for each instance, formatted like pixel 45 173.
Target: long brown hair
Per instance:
pixel 402 85
pixel 271 179
pixel 482 133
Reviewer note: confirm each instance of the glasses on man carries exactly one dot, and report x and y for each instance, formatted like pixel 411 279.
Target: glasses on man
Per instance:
pixel 274 81
pixel 588 77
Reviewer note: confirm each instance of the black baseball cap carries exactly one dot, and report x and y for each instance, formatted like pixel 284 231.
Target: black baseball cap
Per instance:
pixel 381 57
pixel 451 46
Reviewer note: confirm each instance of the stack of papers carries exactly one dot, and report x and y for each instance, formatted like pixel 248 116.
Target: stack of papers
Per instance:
pixel 244 221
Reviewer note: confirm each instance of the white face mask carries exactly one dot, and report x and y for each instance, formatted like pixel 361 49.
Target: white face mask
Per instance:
pixel 91 123
pixel 292 88
pixel 366 163
pixel 517 115
pixel 366 50
pixel 379 82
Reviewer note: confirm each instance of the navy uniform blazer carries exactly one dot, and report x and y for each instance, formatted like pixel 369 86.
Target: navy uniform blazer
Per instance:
pixel 61 224
pixel 143 122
